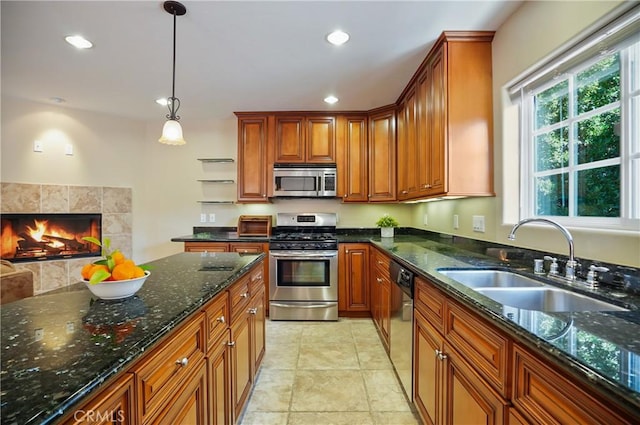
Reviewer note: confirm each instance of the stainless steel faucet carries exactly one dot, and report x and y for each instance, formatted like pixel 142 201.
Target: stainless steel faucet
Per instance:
pixel 570 269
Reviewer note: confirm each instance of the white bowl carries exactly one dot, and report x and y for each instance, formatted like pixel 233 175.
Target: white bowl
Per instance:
pixel 117 289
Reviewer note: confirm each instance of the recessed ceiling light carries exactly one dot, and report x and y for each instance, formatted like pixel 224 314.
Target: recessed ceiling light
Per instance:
pixel 78 41
pixel 56 99
pixel 162 101
pixel 338 37
pixel 331 99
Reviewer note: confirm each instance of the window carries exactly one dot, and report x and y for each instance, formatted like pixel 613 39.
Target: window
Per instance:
pixel 581 133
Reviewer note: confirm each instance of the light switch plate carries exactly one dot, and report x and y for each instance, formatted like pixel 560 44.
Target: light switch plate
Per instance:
pixel 212 218
pixel 203 218
pixel 456 221
pixel 68 149
pixel 37 146
pixel 425 220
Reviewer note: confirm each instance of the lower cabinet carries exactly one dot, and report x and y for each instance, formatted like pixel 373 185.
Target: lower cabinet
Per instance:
pixel 353 279
pixel 189 403
pixel 115 405
pixel 380 284
pixel 201 374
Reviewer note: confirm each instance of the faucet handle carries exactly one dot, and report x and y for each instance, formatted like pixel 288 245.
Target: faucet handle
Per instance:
pixel 553 268
pixel 592 276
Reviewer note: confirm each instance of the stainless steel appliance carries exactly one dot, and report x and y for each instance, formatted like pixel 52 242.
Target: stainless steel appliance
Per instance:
pixel 401 329
pixel 303 264
pixel 304 180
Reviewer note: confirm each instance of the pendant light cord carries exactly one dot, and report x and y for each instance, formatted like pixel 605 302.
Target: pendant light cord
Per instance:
pixel 174 103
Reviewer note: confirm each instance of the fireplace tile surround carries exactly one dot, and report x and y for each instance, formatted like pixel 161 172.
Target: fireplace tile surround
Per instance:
pixel 114 203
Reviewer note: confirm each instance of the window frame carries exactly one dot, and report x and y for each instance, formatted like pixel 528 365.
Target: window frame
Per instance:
pixel 629 218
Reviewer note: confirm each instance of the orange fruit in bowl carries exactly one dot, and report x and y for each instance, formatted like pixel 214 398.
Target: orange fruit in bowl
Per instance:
pixel 138 272
pixel 86 271
pixel 123 271
pixel 118 257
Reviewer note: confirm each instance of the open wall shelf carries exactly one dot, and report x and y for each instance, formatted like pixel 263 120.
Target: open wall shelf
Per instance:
pixel 220 160
pixel 218 181
pixel 217 202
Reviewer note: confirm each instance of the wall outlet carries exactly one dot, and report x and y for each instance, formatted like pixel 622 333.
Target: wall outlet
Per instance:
pixel 425 220
pixel 456 221
pixel 39 334
pixel 68 149
pixel 212 218
pixel 478 223
pixel 203 218
pixel 37 146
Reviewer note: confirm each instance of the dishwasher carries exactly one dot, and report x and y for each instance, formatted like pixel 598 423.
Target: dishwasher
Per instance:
pixel 401 329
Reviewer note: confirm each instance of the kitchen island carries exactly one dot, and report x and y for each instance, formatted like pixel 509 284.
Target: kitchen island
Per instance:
pixel 61 347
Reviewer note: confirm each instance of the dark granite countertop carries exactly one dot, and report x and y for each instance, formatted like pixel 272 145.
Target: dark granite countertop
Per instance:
pixel 601 347
pixel 85 342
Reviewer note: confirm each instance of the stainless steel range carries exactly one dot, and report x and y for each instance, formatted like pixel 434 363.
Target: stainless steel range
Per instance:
pixel 303 263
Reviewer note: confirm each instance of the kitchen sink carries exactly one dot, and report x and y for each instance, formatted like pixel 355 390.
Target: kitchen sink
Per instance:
pixel 490 279
pixel 547 298
pixel 519 291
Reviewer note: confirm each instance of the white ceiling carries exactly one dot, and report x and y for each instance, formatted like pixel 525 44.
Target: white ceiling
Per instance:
pixel 231 55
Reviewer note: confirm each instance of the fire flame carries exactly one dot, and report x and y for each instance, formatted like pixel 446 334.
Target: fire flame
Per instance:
pixel 42 228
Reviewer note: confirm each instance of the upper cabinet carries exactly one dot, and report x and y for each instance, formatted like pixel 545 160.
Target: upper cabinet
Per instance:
pixel 253 171
pixel 447 110
pixel 352 146
pixel 382 155
pixel 305 139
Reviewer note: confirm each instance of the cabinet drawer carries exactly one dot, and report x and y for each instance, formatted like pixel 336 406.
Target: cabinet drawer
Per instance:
pixel 246 248
pixel 381 261
pixel 217 313
pixel 430 302
pixel 483 347
pixel 256 280
pixel 544 396
pixel 206 247
pixel 163 370
pixel 239 295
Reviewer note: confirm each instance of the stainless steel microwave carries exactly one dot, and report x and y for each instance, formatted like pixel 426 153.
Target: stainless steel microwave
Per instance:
pixel 304 180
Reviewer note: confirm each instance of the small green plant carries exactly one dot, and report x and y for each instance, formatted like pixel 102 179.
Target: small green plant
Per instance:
pixel 387 221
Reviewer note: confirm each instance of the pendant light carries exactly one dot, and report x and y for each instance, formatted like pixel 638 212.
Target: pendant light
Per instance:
pixel 172 130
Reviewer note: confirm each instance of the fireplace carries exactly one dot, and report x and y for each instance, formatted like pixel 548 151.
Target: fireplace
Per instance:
pixel 37 236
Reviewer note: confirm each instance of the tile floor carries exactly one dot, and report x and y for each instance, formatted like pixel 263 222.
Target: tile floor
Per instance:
pixel 321 373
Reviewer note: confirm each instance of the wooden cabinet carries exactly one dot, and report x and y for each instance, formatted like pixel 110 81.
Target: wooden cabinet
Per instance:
pixel 353 279
pixel 352 148
pixel 380 285
pixel 407 148
pixel 253 164
pixel 543 395
pixel 382 155
pixel 189 403
pixel 240 362
pixel 305 139
pixel 160 373
pixel 219 363
pixel 116 404
pixel 257 312
pixel 448 387
pixel 447 109
pixel 206 247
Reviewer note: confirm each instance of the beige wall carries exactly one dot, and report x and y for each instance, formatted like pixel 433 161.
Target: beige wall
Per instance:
pixel 534 31
pixel 112 151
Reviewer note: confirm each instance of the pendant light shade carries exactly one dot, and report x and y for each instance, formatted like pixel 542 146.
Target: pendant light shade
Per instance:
pixel 172 130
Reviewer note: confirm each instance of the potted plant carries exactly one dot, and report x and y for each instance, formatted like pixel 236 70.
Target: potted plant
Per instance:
pixel 386 223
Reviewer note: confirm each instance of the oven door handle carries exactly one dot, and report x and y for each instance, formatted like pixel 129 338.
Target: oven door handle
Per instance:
pixel 318 305
pixel 304 256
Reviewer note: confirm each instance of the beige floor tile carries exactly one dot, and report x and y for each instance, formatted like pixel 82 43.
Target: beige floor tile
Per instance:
pixel 373 358
pixel 331 332
pixel 264 418
pixel 330 418
pixel 329 391
pixel 394 418
pixel 272 391
pixel 328 356
pixel 384 391
pixel 281 356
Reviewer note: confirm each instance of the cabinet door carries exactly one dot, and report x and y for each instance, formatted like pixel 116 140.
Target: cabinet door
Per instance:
pixel 382 156
pixel 408 150
pixel 189 403
pixel 258 330
pixel 113 405
pixel 252 159
pixel 427 370
pixel 206 247
pixel 352 148
pixel 290 139
pixel 241 363
pixel 353 287
pixel 423 134
pixel 468 398
pixel 438 133
pixel 321 140
pixel 220 381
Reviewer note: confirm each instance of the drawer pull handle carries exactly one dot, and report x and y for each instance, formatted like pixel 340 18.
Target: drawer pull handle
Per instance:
pixel 440 355
pixel 245 295
pixel 253 311
pixel 231 343
pixel 379 280
pixel 220 319
pixel 183 362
